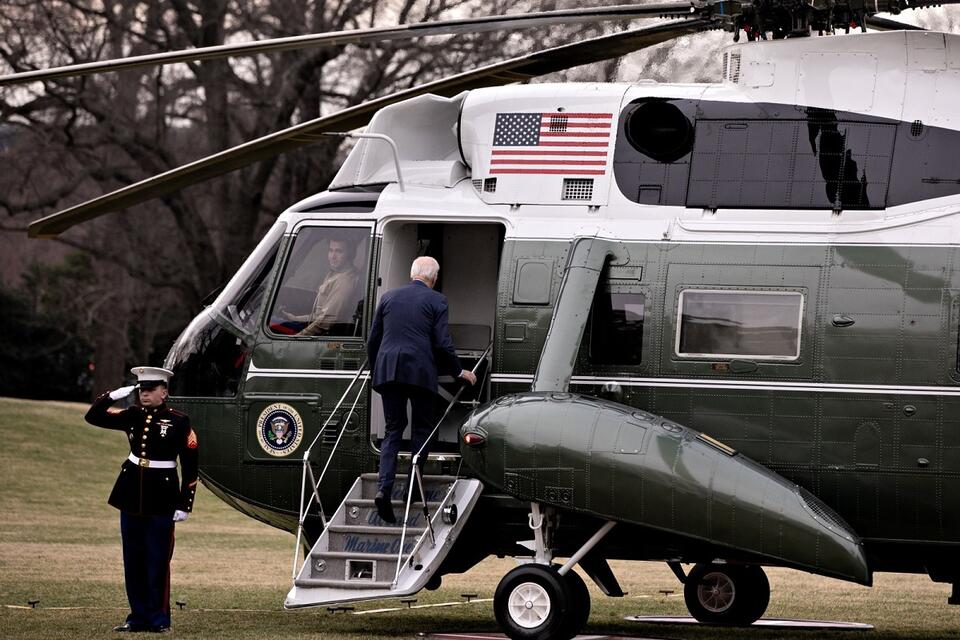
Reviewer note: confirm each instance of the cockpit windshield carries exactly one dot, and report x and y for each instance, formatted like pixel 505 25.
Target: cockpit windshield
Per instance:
pixel 208 357
pixel 241 300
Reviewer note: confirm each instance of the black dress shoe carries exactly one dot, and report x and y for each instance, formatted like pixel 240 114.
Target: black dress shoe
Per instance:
pixel 384 508
pixel 126 627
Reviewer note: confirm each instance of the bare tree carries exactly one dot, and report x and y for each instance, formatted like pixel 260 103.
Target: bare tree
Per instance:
pixel 72 139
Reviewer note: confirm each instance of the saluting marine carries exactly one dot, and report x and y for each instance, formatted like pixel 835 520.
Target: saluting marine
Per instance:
pixel 147 491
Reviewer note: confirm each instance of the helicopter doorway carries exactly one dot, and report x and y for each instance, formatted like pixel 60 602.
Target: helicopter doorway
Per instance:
pixel 469 257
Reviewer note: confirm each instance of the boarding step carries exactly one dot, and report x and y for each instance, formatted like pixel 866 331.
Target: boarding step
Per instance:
pixel 343 584
pixel 435 487
pixel 364 511
pixel 371 539
pixel 357 557
pixel 355 568
pixel 368 503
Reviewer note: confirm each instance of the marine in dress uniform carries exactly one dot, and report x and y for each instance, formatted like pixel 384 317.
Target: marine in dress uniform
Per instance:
pixel 150 497
pixel 409 344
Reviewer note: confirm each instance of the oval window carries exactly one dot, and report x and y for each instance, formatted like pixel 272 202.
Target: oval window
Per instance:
pixel 659 130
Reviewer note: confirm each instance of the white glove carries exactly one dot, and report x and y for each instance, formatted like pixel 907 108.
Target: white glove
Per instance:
pixel 180 516
pixel 122 392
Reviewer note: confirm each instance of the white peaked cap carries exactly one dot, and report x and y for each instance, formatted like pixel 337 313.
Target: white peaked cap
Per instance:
pixel 152 374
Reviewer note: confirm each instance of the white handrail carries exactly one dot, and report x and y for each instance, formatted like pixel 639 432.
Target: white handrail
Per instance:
pixel 308 471
pixel 416 475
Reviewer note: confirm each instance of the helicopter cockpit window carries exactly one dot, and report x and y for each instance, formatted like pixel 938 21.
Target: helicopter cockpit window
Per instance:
pixel 760 325
pixel 322 289
pixel 240 302
pixel 209 356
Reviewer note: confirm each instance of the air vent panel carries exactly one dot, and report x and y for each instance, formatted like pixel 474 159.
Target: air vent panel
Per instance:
pixel 577 189
pixel 733 69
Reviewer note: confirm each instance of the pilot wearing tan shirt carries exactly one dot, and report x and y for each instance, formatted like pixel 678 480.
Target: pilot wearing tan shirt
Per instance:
pixel 338 295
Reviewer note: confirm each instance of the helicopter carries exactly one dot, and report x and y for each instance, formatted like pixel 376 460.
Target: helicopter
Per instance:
pixel 713 324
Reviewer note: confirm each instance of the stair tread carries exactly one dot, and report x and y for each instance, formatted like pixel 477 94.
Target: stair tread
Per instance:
pixel 426 478
pixel 356 528
pixel 342 584
pixel 355 555
pixel 368 502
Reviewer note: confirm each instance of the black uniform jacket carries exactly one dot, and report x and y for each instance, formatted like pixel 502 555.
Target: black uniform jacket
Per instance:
pixel 157 433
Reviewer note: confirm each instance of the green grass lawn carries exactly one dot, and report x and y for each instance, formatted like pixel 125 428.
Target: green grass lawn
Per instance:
pixel 60 544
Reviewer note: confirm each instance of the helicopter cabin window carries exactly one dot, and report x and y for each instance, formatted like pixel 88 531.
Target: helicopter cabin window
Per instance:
pixel 321 292
pixel 820 162
pixel 760 325
pixel 616 326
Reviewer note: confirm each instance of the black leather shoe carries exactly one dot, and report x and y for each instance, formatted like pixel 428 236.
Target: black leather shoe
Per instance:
pixel 159 629
pixel 384 508
pixel 126 627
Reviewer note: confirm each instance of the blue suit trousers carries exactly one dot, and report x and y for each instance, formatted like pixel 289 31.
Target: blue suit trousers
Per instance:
pixel 147 550
pixel 395 397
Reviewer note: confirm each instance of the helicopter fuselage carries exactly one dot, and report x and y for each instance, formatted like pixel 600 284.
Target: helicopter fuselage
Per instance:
pixel 781 274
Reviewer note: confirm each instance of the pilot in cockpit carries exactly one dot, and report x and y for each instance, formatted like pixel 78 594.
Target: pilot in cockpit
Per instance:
pixel 336 299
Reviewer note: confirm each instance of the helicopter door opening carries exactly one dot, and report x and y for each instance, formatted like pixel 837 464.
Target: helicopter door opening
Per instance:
pixel 469 257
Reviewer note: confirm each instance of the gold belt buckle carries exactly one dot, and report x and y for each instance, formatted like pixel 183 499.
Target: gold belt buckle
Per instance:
pixel 144 462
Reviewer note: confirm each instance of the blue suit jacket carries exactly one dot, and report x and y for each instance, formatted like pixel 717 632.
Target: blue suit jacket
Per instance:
pixel 409 340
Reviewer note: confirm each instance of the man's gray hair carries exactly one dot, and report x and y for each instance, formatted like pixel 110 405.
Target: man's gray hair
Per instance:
pixel 424 267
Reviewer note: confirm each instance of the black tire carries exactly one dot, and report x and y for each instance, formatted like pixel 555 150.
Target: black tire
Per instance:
pixel 533 602
pixel 579 603
pixel 735 595
pixel 758 587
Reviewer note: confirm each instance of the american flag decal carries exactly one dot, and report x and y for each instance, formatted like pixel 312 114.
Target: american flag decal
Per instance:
pixel 559 143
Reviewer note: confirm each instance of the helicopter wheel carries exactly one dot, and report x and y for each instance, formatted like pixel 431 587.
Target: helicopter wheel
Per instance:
pixel 726 594
pixel 533 602
pixel 579 603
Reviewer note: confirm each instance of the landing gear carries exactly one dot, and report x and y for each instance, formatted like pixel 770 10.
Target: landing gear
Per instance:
pixel 579 602
pixel 533 602
pixel 542 601
pixel 726 594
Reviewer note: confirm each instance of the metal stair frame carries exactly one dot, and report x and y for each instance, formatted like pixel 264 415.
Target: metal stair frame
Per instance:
pixel 414 567
pixel 409 577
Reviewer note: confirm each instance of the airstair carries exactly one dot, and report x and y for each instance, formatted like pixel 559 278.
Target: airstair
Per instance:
pixel 358 556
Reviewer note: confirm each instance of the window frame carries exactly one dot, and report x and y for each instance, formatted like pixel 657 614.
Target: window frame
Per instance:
pixel 284 261
pixel 739 356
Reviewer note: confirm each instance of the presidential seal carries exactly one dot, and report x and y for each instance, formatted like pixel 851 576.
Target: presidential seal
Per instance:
pixel 279 429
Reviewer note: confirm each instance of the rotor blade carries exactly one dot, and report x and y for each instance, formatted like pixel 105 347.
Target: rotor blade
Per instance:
pixel 886 24
pixel 378 34
pixel 500 73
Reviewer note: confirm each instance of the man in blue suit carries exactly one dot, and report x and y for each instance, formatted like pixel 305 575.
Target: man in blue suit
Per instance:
pixel 409 346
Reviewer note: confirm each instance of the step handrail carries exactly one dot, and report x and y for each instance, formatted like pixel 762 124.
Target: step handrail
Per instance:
pixel 415 473
pixel 308 470
pixel 423 536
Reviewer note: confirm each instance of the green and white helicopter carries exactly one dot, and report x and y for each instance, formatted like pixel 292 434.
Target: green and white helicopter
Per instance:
pixel 714 324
